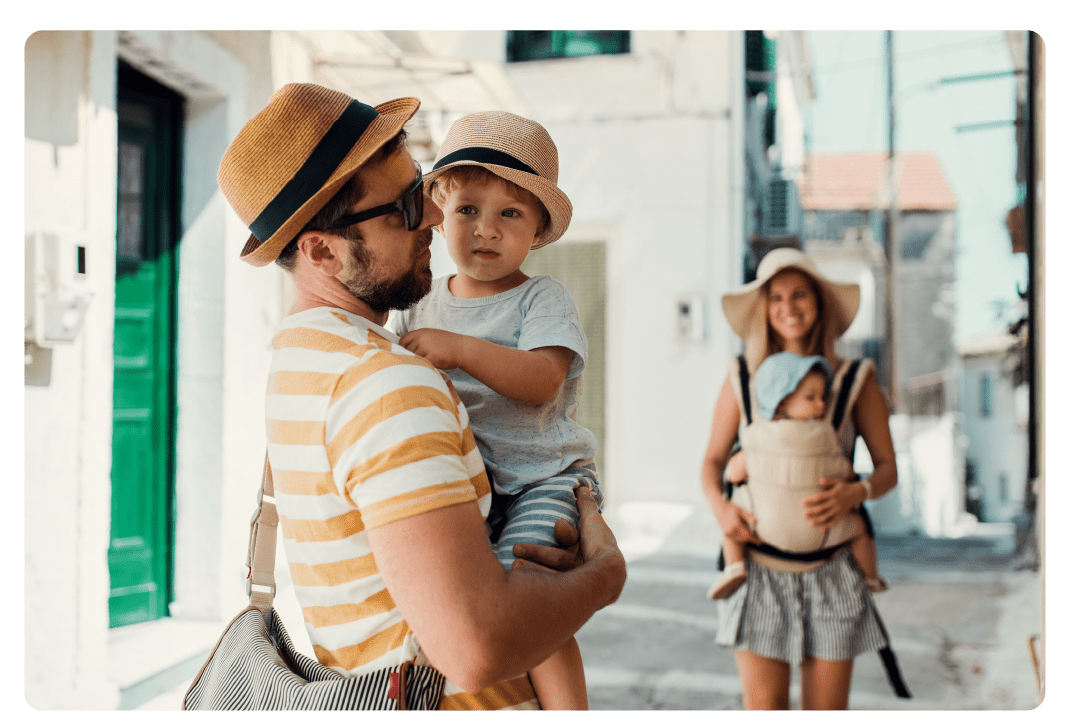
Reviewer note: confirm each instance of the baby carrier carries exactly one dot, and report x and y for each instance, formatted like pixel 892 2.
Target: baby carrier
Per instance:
pixel 785 461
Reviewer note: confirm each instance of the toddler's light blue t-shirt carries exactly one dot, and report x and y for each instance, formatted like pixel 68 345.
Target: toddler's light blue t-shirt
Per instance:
pixel 520 444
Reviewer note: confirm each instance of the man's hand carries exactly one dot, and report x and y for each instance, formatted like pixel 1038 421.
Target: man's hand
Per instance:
pixel 443 349
pixel 544 557
pixel 595 546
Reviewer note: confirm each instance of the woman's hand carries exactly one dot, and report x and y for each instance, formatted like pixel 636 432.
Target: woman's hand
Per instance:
pixel 736 523
pixel 837 498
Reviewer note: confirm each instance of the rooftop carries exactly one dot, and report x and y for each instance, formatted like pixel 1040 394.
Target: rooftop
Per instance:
pixel 856 181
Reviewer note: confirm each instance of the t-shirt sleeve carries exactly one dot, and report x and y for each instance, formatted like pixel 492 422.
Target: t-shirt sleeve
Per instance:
pixel 551 319
pixel 395 441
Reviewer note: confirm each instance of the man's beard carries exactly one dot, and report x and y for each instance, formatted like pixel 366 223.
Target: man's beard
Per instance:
pixel 382 296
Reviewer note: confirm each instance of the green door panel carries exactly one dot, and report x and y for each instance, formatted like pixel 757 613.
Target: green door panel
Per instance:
pixel 139 556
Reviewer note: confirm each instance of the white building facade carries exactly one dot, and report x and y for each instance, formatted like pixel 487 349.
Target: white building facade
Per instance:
pixel 217 359
pixel 652 155
pixel 995 422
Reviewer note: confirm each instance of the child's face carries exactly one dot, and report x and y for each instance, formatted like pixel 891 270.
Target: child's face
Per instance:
pixel 808 400
pixel 489 232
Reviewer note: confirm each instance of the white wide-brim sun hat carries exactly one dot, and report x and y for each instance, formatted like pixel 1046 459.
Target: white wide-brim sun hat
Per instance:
pixel 743 307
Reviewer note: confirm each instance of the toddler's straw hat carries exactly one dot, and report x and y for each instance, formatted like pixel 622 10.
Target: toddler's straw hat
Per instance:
pixel 742 308
pixel 514 148
pixel 295 154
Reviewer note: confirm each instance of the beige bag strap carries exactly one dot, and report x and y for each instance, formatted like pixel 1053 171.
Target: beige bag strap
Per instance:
pixel 262 545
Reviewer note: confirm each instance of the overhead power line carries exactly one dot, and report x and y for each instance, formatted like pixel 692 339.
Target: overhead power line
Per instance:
pixel 910 55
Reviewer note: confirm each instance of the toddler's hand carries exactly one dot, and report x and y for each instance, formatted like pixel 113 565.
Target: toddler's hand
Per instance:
pixel 443 349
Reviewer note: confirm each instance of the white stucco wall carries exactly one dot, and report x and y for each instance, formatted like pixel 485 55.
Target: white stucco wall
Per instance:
pixel 71 134
pixel 227 313
pixel 649 145
pixel 998 443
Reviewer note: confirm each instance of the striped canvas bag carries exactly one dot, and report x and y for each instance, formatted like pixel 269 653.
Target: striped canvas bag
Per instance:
pixel 254 664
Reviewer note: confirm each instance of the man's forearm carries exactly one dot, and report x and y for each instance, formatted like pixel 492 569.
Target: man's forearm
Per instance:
pixel 545 609
pixel 477 622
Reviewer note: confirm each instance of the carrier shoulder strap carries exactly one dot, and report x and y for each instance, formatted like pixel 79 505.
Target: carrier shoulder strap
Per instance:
pixel 848 392
pixel 745 391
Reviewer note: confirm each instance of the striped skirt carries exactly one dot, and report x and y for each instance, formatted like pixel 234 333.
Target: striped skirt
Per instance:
pixel 825 613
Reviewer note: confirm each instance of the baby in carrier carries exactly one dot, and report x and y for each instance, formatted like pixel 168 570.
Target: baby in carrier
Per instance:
pixel 788 445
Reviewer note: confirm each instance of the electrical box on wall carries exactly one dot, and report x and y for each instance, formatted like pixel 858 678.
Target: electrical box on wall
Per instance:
pixel 57 294
pixel 690 323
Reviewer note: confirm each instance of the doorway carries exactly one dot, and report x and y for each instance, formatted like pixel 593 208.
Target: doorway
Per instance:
pixel 142 472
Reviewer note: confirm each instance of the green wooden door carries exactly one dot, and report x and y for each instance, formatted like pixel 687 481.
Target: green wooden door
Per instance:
pixel 139 556
pixel 581 267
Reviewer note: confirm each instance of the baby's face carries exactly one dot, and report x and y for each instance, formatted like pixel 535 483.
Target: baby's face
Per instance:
pixel 808 400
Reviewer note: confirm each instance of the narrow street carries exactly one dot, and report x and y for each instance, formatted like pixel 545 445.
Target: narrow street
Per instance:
pixel 958 615
pixel 944 610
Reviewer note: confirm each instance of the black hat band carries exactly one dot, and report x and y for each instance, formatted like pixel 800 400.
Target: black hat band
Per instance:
pixel 320 164
pixel 484 155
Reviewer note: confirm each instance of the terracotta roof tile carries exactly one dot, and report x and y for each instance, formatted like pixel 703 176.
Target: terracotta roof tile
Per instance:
pixel 854 181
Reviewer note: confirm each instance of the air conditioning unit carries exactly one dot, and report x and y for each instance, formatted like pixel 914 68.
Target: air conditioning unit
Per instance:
pixel 782 215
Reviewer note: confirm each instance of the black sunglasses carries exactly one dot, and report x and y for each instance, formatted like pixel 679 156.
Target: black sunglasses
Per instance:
pixel 410 204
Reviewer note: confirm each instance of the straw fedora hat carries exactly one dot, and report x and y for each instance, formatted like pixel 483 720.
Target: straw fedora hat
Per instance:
pixel 295 154
pixel 744 310
pixel 512 147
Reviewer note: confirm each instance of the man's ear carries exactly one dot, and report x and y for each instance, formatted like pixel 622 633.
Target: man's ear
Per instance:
pixel 321 251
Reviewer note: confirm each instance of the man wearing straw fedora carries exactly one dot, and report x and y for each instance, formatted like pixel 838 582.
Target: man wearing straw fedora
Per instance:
pixel 381 491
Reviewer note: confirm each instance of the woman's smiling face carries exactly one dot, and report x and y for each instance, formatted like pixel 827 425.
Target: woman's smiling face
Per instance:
pixel 791 307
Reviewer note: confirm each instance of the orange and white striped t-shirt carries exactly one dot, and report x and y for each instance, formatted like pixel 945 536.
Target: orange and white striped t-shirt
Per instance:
pixel 362 433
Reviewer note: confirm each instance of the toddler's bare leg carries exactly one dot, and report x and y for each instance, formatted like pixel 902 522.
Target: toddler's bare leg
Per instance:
pixel 559 680
pixel 733 551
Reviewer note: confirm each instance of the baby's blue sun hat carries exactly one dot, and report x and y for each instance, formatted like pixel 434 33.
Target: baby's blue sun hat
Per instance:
pixel 779 375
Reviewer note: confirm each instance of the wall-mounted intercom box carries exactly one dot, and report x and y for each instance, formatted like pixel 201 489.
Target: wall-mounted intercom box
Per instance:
pixel 690 318
pixel 57 287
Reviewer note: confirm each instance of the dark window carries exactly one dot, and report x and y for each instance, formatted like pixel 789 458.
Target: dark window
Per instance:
pixel 537 45
pixel 915 244
pixel 986 395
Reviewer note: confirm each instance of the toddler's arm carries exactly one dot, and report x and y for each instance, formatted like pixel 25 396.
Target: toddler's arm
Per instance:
pixel 736 470
pixel 528 377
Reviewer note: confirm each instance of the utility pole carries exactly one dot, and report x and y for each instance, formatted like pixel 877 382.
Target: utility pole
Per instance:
pixel 891 218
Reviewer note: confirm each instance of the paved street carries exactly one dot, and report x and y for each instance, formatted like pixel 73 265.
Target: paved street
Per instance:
pixel 958 615
pixel 654 648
